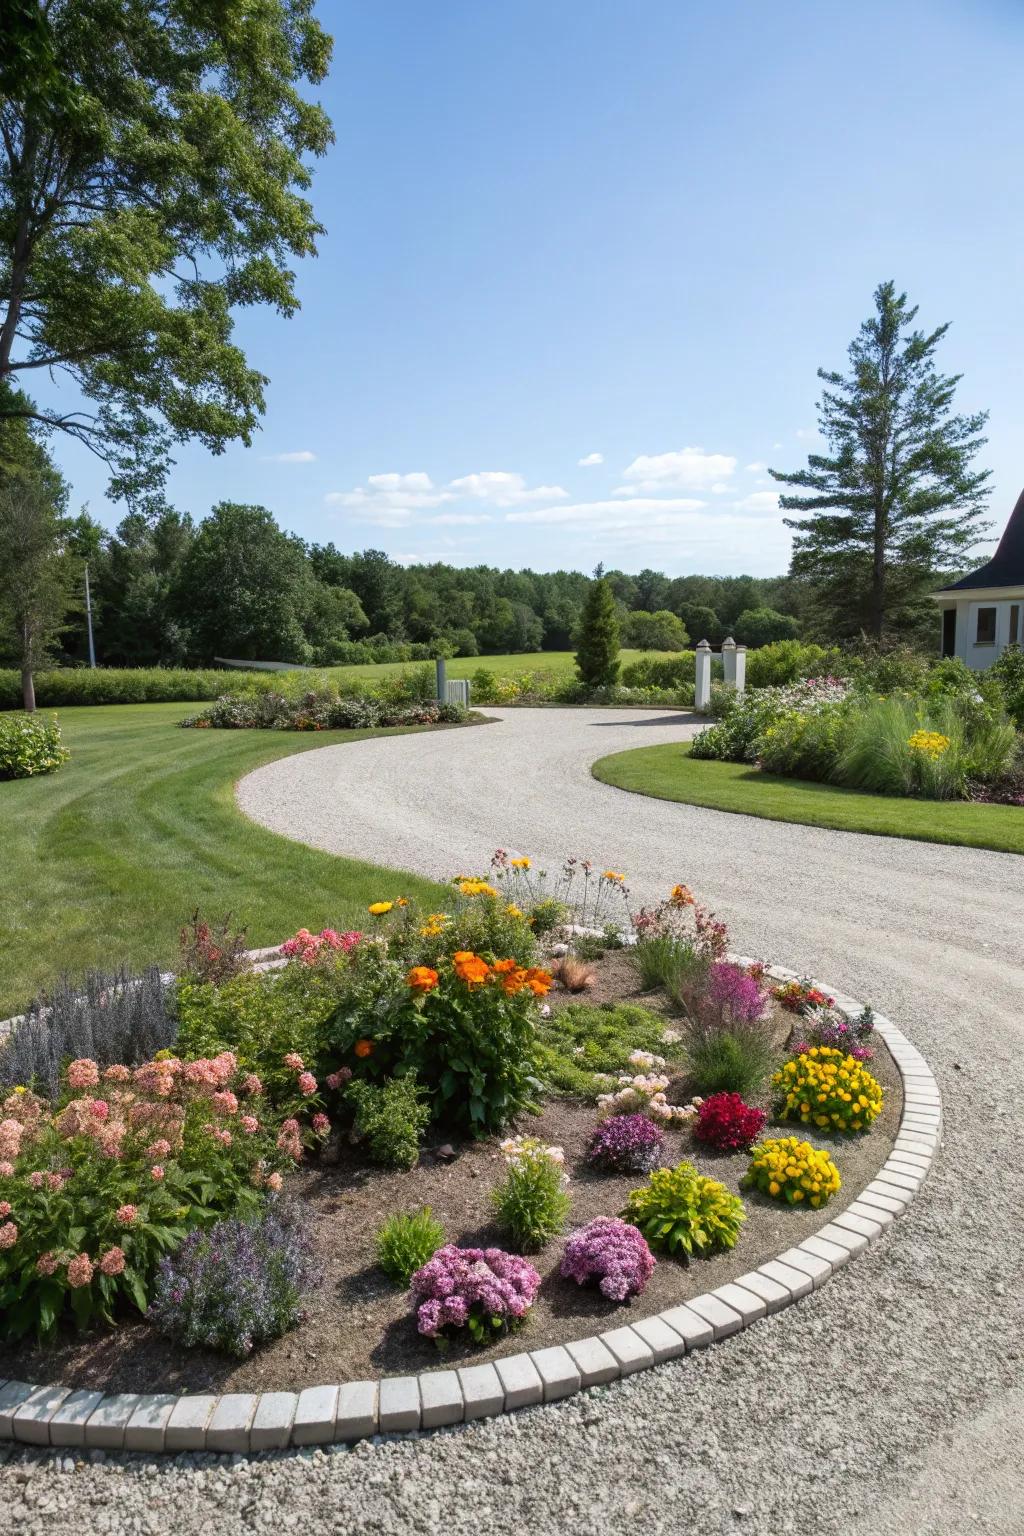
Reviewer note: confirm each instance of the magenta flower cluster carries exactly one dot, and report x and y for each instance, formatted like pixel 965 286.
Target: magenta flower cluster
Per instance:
pixel 483 1289
pixel 626 1144
pixel 611 1252
pixel 734 995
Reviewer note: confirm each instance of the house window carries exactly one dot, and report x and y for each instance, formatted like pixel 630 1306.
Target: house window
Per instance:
pixel 986 627
pixel 1014 624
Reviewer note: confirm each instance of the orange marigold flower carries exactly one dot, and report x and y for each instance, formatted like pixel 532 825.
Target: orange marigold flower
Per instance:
pixel 472 969
pixel 363 1047
pixel 422 978
pixel 503 967
pixel 681 896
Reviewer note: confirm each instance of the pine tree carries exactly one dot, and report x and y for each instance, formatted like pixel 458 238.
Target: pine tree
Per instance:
pixel 895 500
pixel 597 645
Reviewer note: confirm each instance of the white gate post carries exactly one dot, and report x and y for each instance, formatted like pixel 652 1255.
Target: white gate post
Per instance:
pixel 729 661
pixel 702 690
pixel 741 668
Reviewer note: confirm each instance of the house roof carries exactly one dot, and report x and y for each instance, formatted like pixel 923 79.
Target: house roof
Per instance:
pixel 1006 567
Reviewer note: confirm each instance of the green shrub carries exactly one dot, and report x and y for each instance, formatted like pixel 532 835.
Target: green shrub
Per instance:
pixel 30 746
pixel 392 1117
pixel 406 1241
pixel 1009 673
pixel 682 1212
pixel 736 1059
pixel 804 746
pixel 899 746
pixel 583 1039
pixel 669 672
pixel 530 1202
pixel 786 661
pixel 66 686
pixel 669 962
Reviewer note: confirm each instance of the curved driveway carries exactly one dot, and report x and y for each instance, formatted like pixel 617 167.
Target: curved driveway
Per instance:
pixel 893 1402
pixel 888 1404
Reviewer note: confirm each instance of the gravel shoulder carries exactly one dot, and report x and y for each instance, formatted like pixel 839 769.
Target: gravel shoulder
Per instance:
pixel 887 1402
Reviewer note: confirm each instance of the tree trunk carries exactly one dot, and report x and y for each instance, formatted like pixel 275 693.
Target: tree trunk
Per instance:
pixel 28 690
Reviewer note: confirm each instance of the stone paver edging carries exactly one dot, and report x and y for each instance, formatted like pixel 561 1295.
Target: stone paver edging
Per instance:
pixel 264 1421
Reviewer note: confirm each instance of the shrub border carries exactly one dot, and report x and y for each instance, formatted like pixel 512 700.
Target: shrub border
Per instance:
pixel 248 1423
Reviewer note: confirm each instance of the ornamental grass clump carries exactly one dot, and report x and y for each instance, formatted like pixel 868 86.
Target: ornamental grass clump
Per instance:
pixel 613 1253
pixel 827 1089
pixel 626 1144
pixel 685 1213
pixel 236 1284
pixel 484 1290
pixel 530 1202
pixel 786 1168
pixel 726 1123
pixel 406 1242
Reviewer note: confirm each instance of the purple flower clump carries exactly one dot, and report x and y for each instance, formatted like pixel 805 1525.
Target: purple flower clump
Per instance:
pixel 611 1252
pixel 734 994
pixel 626 1144
pixel 479 1288
pixel 235 1284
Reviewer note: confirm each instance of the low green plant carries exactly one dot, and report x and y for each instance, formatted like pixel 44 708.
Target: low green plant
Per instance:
pixel 406 1241
pixel 581 1040
pixel 786 661
pixel 735 1059
pixel 391 1117
pixel 530 1202
pixel 669 962
pixel 684 1213
pixel 30 746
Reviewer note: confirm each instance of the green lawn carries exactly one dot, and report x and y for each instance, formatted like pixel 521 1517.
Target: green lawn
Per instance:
pixel 560 663
pixel 106 859
pixel 670 773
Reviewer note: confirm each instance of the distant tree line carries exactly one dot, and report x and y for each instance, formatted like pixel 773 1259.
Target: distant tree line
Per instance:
pixel 170 591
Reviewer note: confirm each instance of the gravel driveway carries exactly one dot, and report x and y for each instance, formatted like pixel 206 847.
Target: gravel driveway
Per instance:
pixel 888 1404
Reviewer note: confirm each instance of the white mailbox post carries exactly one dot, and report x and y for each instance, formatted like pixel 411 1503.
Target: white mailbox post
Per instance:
pixel 702 692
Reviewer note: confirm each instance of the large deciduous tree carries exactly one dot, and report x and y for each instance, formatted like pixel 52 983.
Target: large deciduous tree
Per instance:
pixel 896 499
pixel 35 591
pixel 154 156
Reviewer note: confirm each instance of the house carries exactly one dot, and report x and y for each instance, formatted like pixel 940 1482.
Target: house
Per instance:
pixel 983 613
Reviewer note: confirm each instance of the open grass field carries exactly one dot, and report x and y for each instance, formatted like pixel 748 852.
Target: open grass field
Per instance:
pixel 670 773
pixel 106 859
pixel 558 663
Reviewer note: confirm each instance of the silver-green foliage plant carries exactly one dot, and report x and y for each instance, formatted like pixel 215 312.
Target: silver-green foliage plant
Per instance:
pixel 684 1213
pixel 406 1242
pixel 109 1017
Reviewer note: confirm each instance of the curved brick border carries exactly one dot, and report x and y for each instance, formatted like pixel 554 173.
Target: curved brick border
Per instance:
pixel 265 1421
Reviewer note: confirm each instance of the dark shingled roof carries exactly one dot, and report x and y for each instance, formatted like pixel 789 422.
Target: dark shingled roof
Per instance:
pixel 1006 568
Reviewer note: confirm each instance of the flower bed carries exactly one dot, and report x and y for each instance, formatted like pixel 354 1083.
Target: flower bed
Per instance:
pixel 383 1072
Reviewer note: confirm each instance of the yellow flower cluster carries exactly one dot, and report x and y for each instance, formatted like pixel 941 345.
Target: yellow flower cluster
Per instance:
pixel 931 743
pixel 473 887
pixel 434 924
pixel 792 1170
pixel 825 1088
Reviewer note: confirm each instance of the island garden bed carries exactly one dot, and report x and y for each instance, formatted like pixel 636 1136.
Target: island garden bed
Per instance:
pixel 357 1009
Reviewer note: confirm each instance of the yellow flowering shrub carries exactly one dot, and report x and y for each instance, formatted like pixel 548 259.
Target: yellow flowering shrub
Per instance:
pixel 825 1088
pixel 789 1169
pixel 931 743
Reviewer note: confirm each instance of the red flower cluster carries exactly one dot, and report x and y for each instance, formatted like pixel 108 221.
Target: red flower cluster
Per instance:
pixel 726 1123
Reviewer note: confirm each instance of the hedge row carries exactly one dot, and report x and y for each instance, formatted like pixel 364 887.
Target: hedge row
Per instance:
pixel 132 685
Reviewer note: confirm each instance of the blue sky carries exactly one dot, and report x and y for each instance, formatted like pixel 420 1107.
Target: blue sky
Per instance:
pixel 583 259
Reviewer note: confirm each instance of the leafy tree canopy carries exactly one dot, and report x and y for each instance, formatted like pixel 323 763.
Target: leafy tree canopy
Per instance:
pixel 154 161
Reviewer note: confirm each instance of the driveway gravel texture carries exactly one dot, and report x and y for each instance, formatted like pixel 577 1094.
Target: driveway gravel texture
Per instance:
pixel 888 1404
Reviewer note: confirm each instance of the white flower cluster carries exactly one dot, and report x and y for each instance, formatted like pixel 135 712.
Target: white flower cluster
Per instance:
pixel 646 1061
pixel 645 1095
pixel 519 1150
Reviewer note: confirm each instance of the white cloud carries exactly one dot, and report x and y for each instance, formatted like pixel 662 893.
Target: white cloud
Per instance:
pixel 390 499
pixel 456 519
pixel 303 456
pixel 757 468
pixel 759 501
pixel 613 514
pixel 502 489
pixel 589 459
pixel 687 469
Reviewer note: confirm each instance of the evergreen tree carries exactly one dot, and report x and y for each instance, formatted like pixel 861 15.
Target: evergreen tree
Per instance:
pixel 597 647
pixel 895 501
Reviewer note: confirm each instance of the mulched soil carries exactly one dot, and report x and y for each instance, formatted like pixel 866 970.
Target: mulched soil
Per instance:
pixel 359 1326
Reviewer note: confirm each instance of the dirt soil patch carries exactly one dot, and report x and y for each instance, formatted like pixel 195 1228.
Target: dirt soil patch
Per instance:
pixel 359 1326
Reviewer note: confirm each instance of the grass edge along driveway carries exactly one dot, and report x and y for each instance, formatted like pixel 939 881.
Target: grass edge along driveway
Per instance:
pixel 670 773
pixel 105 860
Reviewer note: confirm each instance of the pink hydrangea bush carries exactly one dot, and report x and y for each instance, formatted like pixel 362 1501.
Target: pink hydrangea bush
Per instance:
pixel 611 1252
pixel 95 1187
pixel 310 947
pixel 484 1290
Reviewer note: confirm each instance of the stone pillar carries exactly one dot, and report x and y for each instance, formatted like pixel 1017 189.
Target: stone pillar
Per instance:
pixel 740 665
pixel 729 662
pixel 702 692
